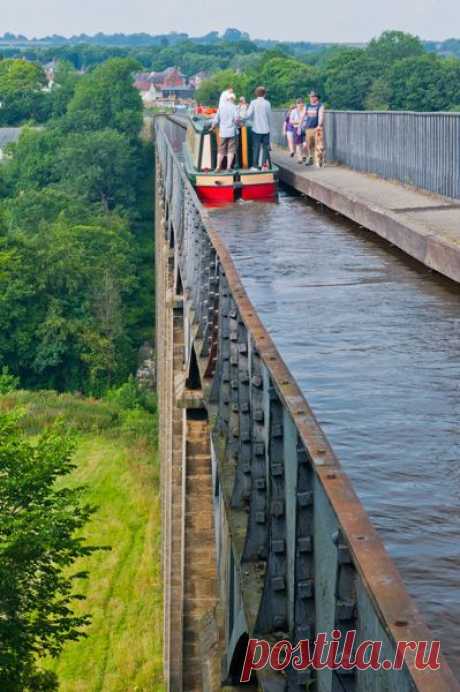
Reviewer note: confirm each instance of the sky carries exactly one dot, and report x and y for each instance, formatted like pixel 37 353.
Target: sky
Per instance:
pixel 320 21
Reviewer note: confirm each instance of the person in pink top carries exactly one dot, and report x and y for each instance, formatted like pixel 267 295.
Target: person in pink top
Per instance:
pixel 288 131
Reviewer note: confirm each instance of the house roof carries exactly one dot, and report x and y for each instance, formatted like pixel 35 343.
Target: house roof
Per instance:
pixel 142 85
pixel 8 135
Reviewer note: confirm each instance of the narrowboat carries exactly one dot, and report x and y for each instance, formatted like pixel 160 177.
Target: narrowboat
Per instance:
pixel 225 186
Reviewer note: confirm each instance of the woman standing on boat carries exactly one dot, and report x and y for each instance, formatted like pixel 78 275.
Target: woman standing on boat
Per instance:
pixel 288 131
pixel 227 117
pixel 296 119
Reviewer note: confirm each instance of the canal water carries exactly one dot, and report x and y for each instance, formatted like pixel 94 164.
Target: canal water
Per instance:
pixel 373 340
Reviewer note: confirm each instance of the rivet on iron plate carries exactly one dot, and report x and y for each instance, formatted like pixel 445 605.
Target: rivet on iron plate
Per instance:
pixel 277 508
pixel 278 583
pixel 306 588
pixel 259 449
pixel 305 499
pixel 260 517
pixel 277 470
pixel 278 546
pixel 305 544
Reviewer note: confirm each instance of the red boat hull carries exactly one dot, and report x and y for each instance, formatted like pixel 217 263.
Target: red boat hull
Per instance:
pixel 264 191
pixel 214 195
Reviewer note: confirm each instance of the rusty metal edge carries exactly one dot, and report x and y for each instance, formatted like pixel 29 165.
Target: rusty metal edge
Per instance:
pixel 396 609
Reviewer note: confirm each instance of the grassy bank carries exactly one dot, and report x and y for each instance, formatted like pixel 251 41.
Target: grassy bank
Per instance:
pixel 116 460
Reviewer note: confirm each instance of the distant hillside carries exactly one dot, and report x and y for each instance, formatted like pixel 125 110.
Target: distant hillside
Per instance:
pixel 213 38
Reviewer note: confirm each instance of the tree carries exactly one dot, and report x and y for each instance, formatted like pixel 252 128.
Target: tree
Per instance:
pixel 419 84
pixel 286 79
pixel 348 75
pixel 451 70
pixel 40 539
pixel 234 35
pixel 106 98
pixel 103 167
pixel 379 96
pixel 21 95
pixel 34 208
pixel 394 45
pixel 33 163
pixel 65 82
pixel 210 89
pixel 53 278
pixel 20 76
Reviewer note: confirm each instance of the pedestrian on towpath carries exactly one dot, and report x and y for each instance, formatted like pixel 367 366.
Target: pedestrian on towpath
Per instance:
pixel 314 128
pixel 297 119
pixel 288 131
pixel 259 113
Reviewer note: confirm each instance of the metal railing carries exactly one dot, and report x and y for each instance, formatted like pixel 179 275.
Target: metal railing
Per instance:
pixel 419 149
pixel 304 557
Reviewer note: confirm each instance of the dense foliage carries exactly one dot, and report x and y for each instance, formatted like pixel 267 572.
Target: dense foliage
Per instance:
pixel 189 55
pixel 76 295
pixel 21 92
pixel 45 561
pixel 75 240
pixel 39 537
pixel 394 72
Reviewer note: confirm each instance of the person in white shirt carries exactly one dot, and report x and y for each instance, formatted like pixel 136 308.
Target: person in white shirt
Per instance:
pixel 259 113
pixel 227 118
pixel 225 94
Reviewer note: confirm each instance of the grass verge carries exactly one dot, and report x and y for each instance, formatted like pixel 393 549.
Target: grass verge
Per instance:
pixel 116 459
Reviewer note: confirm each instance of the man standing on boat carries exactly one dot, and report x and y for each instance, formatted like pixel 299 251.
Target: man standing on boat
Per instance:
pixel 259 112
pixel 225 94
pixel 227 118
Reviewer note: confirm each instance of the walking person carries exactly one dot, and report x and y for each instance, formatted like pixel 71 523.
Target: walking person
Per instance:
pixel 227 118
pixel 297 119
pixel 288 131
pixel 259 113
pixel 313 125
